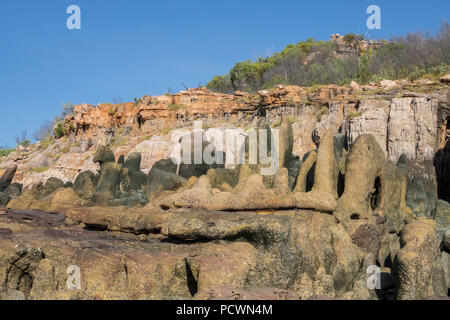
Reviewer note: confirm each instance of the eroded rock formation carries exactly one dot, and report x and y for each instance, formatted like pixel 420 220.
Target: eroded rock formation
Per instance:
pixel 364 195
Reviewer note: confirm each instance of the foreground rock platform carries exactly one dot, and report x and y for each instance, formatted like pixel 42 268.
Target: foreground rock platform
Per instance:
pixel 126 253
pixel 38 248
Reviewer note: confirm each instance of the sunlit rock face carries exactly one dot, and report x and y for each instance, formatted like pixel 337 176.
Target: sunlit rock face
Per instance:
pixel 360 181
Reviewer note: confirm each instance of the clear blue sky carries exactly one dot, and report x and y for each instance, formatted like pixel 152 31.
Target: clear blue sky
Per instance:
pixel 128 48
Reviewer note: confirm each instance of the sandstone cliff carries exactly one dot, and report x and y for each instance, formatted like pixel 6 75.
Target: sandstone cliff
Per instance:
pixel 405 118
pixel 359 172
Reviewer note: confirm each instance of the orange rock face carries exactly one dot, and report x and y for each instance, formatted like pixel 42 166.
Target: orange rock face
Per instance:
pixel 164 111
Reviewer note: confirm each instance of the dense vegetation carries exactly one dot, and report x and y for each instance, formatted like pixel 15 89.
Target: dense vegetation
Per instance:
pixel 5 151
pixel 314 62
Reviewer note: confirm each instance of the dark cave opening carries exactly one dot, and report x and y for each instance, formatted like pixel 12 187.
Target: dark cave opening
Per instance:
pixel 441 163
pixel 140 122
pixel 387 289
pixel 341 184
pixel 388 263
pixel 310 178
pixel 375 198
pixel 191 281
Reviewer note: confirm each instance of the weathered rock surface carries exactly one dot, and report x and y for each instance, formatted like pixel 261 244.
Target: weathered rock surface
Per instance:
pixel 363 174
pixel 442 218
pixel 373 119
pixel 159 180
pixel 446 241
pixel 59 201
pixel 50 186
pixel 419 271
pixel 404 120
pixel 104 155
pixel 85 184
pixel 299 252
pixel 445 79
pixel 37 257
pixel 7 177
pixel 364 194
pixel 109 183
pixel 14 190
pixel 4 199
pixel 397 213
pixel 441 162
pixel 422 189
pixel 412 128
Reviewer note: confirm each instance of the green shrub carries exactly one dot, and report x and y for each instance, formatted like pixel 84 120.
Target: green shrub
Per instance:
pixel 353 38
pixel 59 131
pixel 5 152
pixel 292 119
pixel 323 111
pixel 221 84
pixel 276 123
pixel 24 143
pixel 176 107
pixel 119 141
pixel 314 62
pixel 68 108
pixel 206 126
pixel 247 75
pixel 38 169
pixel 66 148
pixel 47 141
pixel 354 114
